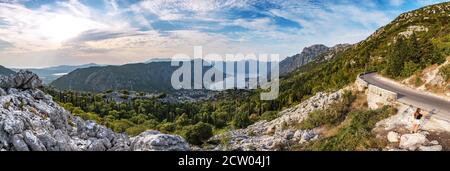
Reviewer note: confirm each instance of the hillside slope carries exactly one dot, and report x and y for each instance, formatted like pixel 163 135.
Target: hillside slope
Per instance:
pixel 435 78
pixel 142 77
pixel 5 71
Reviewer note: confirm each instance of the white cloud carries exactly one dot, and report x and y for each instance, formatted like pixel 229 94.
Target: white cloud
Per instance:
pixel 358 15
pixel 330 24
pixel 396 2
pixel 181 9
pixel 75 7
pixel 259 24
pixel 112 6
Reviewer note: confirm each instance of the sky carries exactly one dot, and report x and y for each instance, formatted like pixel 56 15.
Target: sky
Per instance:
pixel 41 33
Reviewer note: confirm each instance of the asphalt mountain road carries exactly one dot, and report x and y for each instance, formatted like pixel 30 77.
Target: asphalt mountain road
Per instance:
pixel 439 105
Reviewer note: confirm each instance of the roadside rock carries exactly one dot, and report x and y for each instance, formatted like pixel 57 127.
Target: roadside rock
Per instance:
pixel 404 119
pixel 434 142
pixel 430 148
pixel 412 141
pixel 393 137
pixel 394 149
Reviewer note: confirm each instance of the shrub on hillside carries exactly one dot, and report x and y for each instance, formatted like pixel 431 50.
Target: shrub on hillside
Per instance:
pixel 445 72
pixel 269 115
pixel 121 125
pixel 167 127
pixel 198 133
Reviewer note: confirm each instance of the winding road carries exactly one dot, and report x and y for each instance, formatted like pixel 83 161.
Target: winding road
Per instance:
pixel 438 105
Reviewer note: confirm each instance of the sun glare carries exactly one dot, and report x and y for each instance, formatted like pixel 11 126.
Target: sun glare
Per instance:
pixel 64 27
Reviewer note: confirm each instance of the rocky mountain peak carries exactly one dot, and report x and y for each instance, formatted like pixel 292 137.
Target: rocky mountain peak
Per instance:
pixel 31 121
pixel 309 54
pixel 314 50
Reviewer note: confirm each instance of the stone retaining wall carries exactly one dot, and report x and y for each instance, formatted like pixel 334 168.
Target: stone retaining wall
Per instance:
pixel 378 97
pixel 361 84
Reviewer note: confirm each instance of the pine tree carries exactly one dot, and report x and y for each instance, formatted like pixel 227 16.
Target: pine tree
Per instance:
pixel 398 54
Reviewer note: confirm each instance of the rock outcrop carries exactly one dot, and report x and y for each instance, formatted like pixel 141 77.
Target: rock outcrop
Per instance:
pixel 412 142
pixel 399 126
pixel 278 134
pixel 21 80
pixel 155 141
pixel 404 119
pixel 31 121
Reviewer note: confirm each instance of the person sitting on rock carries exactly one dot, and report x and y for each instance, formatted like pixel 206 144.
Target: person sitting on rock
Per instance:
pixel 417 120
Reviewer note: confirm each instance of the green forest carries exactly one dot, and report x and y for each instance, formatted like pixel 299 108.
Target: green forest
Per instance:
pixel 195 121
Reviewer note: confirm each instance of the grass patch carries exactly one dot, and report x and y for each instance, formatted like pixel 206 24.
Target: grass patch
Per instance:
pixel 418 81
pixel 356 134
pixel 330 116
pixel 218 131
pixel 445 72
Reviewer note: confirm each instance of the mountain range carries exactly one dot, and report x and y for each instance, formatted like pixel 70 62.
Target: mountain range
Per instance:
pixel 50 74
pixel 150 77
pixel 142 76
pixel 5 71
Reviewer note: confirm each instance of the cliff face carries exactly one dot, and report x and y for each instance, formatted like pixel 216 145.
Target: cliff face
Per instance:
pixel 31 121
pixel 309 54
